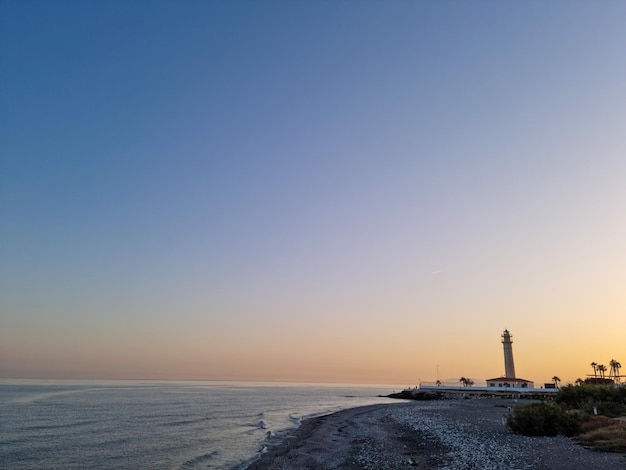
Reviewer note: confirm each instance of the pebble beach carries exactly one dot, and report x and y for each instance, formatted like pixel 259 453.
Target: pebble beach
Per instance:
pixel 446 434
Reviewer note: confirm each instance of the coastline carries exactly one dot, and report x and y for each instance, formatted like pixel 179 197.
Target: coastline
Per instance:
pixel 451 434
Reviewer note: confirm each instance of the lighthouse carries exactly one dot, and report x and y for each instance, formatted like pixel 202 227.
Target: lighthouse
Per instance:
pixel 509 379
pixel 509 366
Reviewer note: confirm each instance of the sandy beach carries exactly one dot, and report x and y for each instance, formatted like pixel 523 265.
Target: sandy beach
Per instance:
pixel 449 434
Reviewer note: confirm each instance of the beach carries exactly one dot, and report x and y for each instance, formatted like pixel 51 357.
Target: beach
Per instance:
pixel 450 434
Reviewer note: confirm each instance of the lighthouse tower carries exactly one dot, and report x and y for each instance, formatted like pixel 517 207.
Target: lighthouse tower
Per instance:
pixel 509 366
pixel 509 379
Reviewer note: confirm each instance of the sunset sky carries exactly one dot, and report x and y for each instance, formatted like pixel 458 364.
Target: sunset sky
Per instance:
pixel 311 191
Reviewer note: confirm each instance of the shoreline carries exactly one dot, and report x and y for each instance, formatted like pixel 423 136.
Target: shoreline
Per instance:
pixel 452 434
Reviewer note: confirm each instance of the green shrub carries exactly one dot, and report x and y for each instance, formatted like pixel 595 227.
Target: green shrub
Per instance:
pixel 543 419
pixel 609 400
pixel 610 409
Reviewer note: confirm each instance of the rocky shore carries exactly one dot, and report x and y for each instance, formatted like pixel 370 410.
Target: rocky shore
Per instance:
pixel 444 434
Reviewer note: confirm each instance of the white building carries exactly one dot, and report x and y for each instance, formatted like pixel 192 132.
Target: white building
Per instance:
pixel 510 382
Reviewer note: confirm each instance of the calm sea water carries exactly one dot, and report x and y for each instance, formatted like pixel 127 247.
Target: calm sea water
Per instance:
pixel 156 425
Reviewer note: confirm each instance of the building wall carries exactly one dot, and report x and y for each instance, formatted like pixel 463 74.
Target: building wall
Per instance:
pixel 510 383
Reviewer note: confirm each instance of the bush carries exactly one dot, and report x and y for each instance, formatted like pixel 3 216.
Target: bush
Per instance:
pixel 543 419
pixel 610 437
pixel 591 423
pixel 608 399
pixel 610 409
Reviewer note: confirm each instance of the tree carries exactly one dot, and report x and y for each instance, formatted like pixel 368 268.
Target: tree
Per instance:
pixel 615 367
pixel 595 369
pixel 438 383
pixel 556 381
pixel 602 369
pixel 579 381
pixel 466 381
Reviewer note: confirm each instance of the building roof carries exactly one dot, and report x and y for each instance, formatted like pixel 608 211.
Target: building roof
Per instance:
pixel 508 379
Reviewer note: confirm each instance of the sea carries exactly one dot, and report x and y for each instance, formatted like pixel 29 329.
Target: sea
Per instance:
pixel 65 424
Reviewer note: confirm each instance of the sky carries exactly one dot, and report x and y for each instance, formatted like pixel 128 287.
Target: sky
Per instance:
pixel 355 192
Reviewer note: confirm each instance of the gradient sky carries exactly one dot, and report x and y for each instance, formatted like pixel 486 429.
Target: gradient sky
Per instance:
pixel 311 191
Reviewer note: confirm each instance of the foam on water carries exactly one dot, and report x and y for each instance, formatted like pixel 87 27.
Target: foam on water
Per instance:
pixel 169 425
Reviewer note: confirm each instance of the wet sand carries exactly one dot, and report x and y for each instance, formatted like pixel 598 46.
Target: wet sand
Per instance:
pixel 450 434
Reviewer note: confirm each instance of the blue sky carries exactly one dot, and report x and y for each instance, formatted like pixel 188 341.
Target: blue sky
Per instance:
pixel 212 173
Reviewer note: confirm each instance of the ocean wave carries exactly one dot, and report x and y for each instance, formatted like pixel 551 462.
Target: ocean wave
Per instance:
pixel 51 394
pixel 184 422
pixel 177 427
pixel 44 427
pixel 199 461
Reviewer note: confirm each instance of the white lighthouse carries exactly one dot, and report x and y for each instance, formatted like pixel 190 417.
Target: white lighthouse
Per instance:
pixel 509 365
pixel 509 379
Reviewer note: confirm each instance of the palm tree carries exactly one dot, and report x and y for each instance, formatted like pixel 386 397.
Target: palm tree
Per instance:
pixel 466 381
pixel 556 381
pixel 438 383
pixel 602 369
pixel 595 369
pixel 615 366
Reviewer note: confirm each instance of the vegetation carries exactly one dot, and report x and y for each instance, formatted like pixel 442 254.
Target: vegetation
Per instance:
pixel 543 419
pixel 615 367
pixel 607 399
pixel 466 382
pixel 600 369
pixel 596 381
pixel 604 434
pixel 593 410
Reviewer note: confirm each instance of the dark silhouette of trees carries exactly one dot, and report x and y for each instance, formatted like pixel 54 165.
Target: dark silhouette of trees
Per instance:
pixel 467 382
pixel 615 367
pixel 599 373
